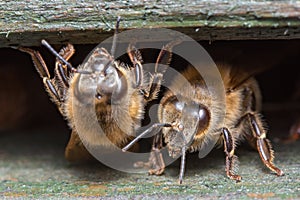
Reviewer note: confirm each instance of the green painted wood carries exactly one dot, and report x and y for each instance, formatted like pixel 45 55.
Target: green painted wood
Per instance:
pixel 85 22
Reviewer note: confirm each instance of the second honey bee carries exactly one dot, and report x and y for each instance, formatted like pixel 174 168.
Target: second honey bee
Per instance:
pixel 102 86
pixel 188 121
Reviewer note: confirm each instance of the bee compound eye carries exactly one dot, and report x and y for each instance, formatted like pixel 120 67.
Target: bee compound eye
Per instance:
pixel 203 117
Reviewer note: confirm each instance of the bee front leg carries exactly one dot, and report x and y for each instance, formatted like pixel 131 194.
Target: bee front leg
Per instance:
pixel 61 70
pixel 136 59
pixel 162 62
pixel 230 157
pixel 263 145
pixel 42 69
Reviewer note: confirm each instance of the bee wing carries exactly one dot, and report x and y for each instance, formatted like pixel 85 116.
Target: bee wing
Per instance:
pixel 235 76
pixel 248 60
pixel 240 76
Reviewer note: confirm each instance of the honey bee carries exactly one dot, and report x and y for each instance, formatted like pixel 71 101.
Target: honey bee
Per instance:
pixel 188 121
pixel 100 85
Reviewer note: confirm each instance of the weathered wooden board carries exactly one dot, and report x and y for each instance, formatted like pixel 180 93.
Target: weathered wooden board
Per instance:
pixel 26 22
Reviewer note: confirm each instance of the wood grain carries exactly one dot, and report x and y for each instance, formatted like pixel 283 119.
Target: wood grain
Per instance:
pixel 85 22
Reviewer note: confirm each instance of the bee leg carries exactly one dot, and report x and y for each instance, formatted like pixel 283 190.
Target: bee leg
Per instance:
pixel 136 59
pixel 52 90
pixel 62 75
pixel 38 61
pixel 42 69
pixel 162 62
pixel 156 159
pixel 156 162
pixel 165 56
pixel 61 70
pixel 230 157
pixel 66 52
pixel 263 145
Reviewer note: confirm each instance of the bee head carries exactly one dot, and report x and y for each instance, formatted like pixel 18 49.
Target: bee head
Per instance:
pixel 104 80
pixel 192 117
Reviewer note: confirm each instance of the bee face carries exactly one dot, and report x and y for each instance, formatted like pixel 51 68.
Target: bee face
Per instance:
pixel 190 118
pixel 103 80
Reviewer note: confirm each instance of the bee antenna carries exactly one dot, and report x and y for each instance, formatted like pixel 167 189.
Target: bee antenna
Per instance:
pixel 50 48
pixel 182 164
pixel 155 128
pixel 113 48
pixel 82 71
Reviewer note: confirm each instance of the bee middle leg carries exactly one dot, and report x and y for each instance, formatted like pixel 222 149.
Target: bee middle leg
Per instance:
pixel 230 157
pixel 61 70
pixel 155 164
pixel 156 158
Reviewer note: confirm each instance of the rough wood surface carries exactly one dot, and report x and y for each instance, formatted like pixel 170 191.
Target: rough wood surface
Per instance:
pixel 27 22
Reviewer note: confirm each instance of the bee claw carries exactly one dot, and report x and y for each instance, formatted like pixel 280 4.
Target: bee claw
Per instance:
pixel 156 172
pixel 279 172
